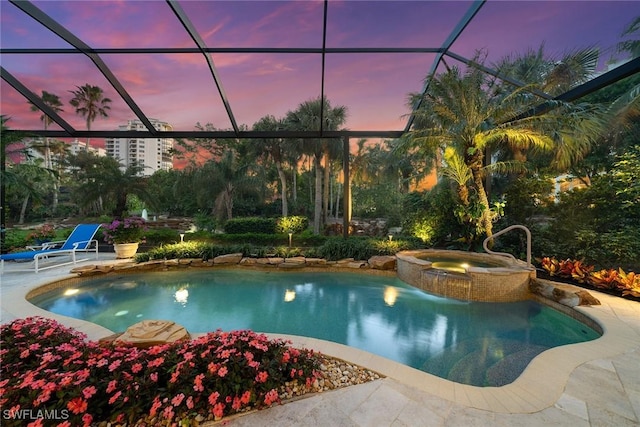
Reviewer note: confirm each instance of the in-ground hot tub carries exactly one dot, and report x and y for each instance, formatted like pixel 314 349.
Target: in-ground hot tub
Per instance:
pixel 466 275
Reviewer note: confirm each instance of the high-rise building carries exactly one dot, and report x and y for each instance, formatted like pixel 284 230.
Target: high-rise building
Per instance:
pixel 152 154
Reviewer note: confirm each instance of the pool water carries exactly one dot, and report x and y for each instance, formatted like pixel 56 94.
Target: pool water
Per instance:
pixel 483 344
pixel 456 264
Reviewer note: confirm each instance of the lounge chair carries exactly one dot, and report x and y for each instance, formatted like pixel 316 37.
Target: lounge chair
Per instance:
pixel 80 240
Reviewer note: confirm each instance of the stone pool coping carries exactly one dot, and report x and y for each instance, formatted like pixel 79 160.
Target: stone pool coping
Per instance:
pixel 539 386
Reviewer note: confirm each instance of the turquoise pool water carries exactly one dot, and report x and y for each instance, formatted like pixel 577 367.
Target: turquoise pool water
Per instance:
pixel 484 344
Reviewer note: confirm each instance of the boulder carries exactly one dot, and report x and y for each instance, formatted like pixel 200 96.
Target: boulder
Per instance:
pixel 383 262
pixel 152 332
pixel 228 259
pixel 562 294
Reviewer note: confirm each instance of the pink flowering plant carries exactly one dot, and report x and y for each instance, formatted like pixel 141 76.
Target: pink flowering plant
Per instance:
pixel 128 230
pixel 49 367
pixel 42 234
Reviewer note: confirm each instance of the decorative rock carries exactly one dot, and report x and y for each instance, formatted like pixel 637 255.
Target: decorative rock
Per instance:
pixel 248 261
pixel 296 260
pixel 562 294
pixel 275 260
pixel 357 264
pixel 290 265
pixel 383 262
pixel 228 259
pixel 200 263
pixel 316 261
pixel 83 269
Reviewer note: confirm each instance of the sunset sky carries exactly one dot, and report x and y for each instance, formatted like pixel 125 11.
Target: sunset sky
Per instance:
pixel 179 88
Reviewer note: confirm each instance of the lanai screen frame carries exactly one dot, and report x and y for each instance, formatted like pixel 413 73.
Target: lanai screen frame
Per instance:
pixel 82 48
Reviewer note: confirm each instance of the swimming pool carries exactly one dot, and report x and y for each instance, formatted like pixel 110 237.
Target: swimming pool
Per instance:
pixel 483 344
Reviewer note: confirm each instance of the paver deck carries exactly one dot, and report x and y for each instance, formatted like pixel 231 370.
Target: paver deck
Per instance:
pixel 589 384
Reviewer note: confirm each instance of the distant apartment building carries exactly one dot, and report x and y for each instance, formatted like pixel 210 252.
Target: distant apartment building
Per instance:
pixel 152 154
pixel 76 147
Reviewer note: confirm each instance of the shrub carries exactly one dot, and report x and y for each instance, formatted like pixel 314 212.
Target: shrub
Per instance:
pixel 250 225
pixel 362 248
pixel 48 367
pixel 205 222
pixel 292 224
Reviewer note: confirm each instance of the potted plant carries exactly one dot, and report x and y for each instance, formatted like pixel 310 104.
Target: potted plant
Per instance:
pixel 125 235
pixel 42 234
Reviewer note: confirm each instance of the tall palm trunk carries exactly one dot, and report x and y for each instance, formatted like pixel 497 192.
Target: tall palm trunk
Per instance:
pixel 325 196
pixel 317 211
pixel 485 219
pixel 23 209
pixel 283 183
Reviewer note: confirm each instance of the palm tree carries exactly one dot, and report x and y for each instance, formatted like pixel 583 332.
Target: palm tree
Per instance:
pixel 274 149
pixel 307 117
pixel 104 181
pixel 632 46
pixel 458 111
pixel 555 76
pixel 90 103
pixel 53 102
pixel 230 179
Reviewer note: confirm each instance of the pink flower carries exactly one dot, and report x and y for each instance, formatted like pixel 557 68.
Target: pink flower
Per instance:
pixel 89 391
pixel 246 397
pixel 154 407
pixel 237 404
pixel 87 419
pixel 65 381
pixel 190 402
pixel 64 424
pixel 77 405
pixel 197 386
pixel 218 410
pixel 114 365
pixel 154 376
pixel 168 413
pixel 36 423
pixel 262 376
pixel 285 357
pixel 114 397
pixel 177 400
pixel 156 362
pixel 213 398
pixel 112 386
pixel 24 354
pixel 223 371
pixel 136 367
pixel 270 397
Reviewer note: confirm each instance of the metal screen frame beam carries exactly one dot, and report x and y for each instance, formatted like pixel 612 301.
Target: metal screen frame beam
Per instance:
pixel 59 30
pixel 453 36
pixel 197 39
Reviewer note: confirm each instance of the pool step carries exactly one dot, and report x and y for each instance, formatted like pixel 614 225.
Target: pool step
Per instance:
pixel 483 362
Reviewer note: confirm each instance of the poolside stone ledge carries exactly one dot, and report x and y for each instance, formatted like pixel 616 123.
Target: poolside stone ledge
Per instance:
pixel 378 263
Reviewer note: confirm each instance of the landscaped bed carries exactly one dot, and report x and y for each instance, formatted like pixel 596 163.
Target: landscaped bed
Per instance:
pixel 52 374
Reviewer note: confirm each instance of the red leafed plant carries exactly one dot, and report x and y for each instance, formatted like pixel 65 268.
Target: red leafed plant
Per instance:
pixel 575 269
pixel 604 279
pixel 629 283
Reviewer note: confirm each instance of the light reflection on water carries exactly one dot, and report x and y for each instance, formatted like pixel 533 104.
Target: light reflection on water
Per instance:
pixel 469 342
